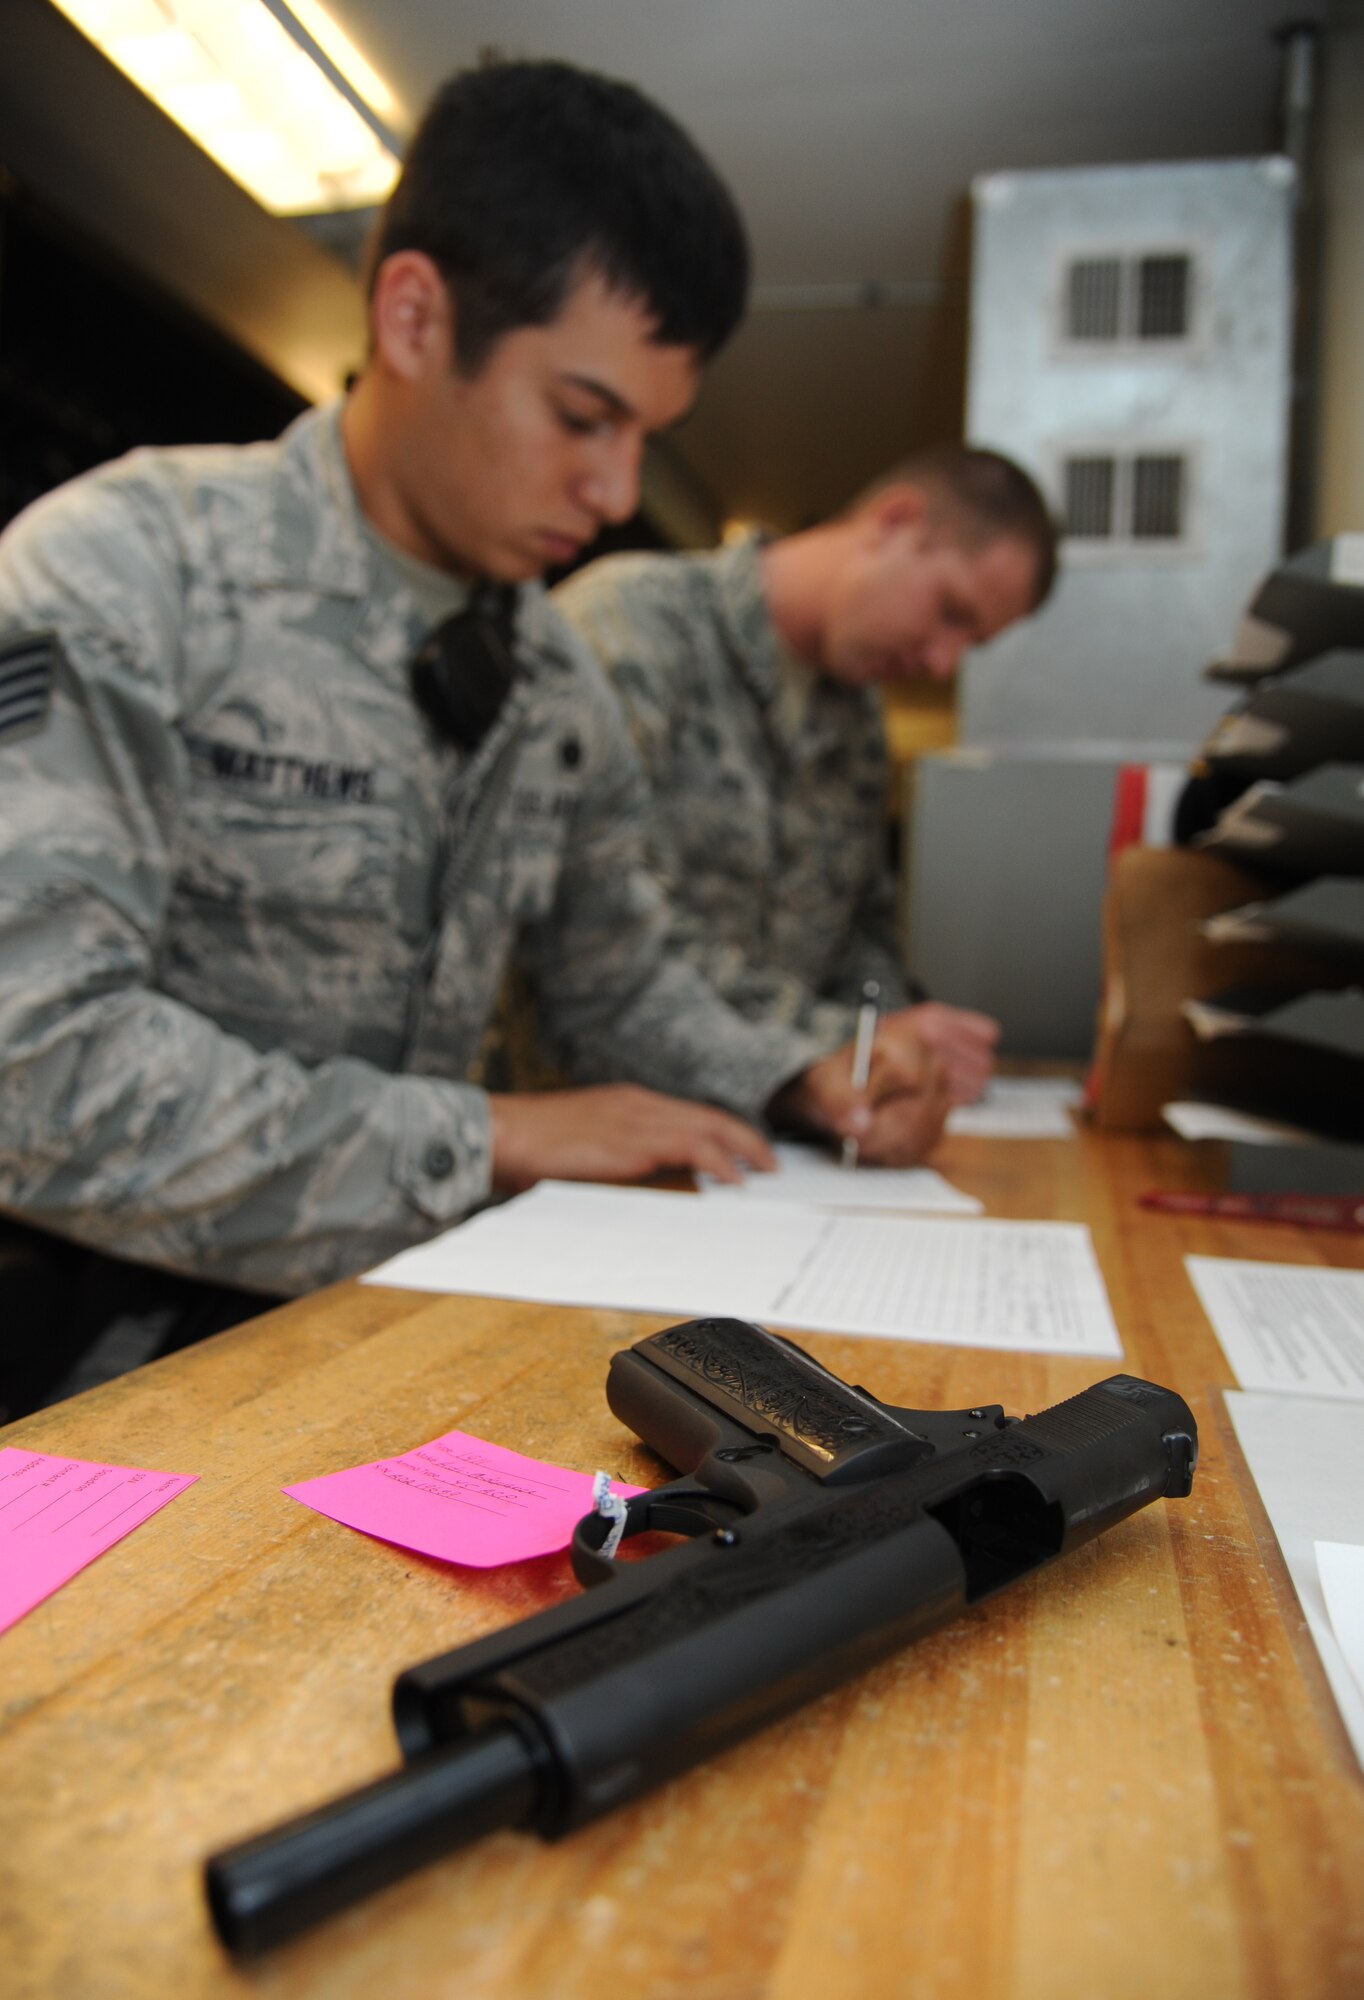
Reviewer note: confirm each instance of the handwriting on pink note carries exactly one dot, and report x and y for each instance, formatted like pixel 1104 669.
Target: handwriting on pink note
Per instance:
pixel 460 1500
pixel 58 1514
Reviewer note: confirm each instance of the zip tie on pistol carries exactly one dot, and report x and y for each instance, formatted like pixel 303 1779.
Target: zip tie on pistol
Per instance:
pixel 604 1501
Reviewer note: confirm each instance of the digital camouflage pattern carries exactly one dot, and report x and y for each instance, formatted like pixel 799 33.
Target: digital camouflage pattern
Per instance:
pixel 768 829
pixel 253 917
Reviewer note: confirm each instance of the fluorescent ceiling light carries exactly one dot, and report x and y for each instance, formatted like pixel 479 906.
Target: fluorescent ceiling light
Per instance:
pixel 346 56
pixel 233 77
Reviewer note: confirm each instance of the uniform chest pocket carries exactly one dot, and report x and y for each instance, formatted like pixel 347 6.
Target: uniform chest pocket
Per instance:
pixel 278 856
pixel 283 925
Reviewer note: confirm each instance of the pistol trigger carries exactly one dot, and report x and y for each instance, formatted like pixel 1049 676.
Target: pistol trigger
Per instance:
pixel 684 1509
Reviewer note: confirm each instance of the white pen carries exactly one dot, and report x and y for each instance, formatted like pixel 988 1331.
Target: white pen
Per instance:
pixel 861 1062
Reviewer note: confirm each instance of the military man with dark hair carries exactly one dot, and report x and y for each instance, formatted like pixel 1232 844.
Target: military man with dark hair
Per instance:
pixel 751 680
pixel 295 756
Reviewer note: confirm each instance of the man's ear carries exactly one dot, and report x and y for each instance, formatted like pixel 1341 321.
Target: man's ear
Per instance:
pixel 897 508
pixel 412 316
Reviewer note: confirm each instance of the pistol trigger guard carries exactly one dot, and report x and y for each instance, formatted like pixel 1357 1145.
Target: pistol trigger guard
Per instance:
pixel 669 1510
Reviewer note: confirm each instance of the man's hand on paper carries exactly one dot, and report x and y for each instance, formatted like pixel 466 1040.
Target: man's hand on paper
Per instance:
pixel 963 1042
pixel 616 1132
pixel 895 1120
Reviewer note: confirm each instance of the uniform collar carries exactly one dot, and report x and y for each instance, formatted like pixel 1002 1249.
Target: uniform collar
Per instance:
pixel 797 703
pixel 751 635
pixel 311 532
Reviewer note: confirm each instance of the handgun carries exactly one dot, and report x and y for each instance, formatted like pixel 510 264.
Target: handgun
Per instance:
pixel 820 1531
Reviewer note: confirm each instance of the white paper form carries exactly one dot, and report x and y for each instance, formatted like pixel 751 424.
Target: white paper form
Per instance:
pixel 1193 1120
pixel 1304 1457
pixel 805 1173
pixel 1340 1565
pixel 1019 1107
pixel 1291 1327
pixel 969 1284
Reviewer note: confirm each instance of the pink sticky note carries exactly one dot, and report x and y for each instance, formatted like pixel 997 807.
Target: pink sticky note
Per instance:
pixel 58 1514
pixel 459 1499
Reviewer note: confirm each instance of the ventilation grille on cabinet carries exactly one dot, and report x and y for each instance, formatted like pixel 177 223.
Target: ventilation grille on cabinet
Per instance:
pixel 1089 497
pixel 1117 299
pixel 1124 497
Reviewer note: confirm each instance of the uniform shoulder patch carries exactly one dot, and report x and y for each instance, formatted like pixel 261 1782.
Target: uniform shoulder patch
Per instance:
pixel 28 662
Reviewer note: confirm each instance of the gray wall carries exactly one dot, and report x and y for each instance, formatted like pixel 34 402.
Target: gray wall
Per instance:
pixel 1004 889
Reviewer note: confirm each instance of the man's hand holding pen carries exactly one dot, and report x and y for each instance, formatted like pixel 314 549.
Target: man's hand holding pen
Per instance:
pixel 963 1041
pixel 896 1117
pixel 884 1096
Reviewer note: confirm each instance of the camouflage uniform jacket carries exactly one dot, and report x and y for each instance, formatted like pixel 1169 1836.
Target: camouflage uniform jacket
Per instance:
pixel 253 917
pixel 769 783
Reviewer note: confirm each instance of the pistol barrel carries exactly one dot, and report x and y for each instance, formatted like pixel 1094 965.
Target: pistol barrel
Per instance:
pixel 272 1886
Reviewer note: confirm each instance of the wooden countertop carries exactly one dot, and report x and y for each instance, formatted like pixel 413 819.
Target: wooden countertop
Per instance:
pixel 1124 1776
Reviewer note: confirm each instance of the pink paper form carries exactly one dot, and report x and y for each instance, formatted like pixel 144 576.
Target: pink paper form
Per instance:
pixel 58 1514
pixel 460 1500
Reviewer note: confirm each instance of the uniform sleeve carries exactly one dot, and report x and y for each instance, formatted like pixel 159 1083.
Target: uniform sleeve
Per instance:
pixel 128 1120
pixel 616 998
pixel 765 993
pixel 827 1018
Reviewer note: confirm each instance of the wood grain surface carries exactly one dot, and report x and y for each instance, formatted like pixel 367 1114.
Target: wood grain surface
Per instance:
pixel 1124 1776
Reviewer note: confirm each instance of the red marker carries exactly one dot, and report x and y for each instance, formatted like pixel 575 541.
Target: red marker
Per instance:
pixel 1309 1211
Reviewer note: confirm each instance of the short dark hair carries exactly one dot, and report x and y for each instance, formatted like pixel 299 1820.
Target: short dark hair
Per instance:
pixel 524 176
pixel 980 495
